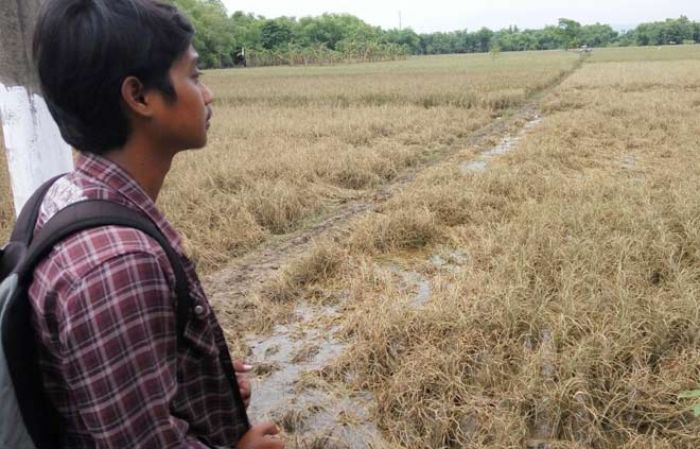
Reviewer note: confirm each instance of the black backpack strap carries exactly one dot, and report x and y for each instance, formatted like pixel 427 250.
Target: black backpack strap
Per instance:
pixel 26 221
pixel 41 419
pixel 95 213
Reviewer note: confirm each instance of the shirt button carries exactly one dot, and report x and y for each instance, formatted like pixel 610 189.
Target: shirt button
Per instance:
pixel 199 310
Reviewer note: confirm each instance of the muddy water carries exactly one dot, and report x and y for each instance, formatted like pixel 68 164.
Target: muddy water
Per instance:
pixel 415 284
pixel 505 146
pixel 450 261
pixel 629 162
pixel 312 415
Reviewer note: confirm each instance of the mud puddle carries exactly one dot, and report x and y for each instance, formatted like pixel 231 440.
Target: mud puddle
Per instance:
pixel 414 284
pixel 418 286
pixel 629 162
pixel 504 147
pixel 309 411
pixel 451 261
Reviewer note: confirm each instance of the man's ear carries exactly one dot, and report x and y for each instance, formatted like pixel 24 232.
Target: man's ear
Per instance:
pixel 134 97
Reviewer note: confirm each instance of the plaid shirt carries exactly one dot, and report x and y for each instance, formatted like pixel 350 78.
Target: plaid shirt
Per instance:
pixel 104 306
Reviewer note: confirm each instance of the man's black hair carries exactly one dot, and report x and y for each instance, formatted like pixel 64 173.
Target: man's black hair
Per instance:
pixel 85 49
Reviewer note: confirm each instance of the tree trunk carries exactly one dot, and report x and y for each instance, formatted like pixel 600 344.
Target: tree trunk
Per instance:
pixel 33 145
pixel 16 24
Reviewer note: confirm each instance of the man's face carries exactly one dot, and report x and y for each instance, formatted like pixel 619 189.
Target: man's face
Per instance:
pixel 183 123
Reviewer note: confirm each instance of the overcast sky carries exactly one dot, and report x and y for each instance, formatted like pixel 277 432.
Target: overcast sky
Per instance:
pixel 450 15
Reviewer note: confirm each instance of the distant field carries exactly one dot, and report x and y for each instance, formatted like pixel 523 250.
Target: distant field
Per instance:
pixel 665 53
pixel 287 143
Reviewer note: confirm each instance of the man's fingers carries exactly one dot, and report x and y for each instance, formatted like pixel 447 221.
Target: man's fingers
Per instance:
pixel 272 444
pixel 262 436
pixel 245 394
pixel 275 444
pixel 239 366
pixel 268 428
pixel 245 388
pixel 244 385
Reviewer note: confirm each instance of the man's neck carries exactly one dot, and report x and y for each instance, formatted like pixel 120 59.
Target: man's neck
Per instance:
pixel 146 165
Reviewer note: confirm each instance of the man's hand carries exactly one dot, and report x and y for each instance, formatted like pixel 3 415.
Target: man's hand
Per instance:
pixel 242 370
pixel 261 436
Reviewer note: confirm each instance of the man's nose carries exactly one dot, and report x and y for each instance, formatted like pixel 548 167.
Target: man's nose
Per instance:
pixel 208 94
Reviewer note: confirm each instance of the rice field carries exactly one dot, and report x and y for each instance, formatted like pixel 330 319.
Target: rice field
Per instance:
pixel 519 268
pixel 570 316
pixel 288 144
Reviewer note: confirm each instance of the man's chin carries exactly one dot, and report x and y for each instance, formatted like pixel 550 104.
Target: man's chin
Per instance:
pixel 201 143
pixel 195 145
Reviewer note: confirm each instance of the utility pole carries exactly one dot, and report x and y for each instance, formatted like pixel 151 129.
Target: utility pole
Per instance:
pixel 400 21
pixel 34 148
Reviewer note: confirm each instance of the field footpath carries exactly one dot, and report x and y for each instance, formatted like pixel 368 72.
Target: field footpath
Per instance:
pixel 282 353
pixel 245 275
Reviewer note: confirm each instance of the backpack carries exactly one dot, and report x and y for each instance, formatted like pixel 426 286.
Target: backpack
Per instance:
pixel 27 420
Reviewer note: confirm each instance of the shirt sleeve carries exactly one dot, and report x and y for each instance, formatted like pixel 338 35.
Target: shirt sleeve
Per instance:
pixel 119 342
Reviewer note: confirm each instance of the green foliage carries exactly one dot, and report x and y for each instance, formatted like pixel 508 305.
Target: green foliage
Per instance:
pixel 332 29
pixel 276 33
pixel 332 38
pixel 669 32
pixel 213 40
pixel 567 34
pixel 692 394
pixel 597 35
pixel 326 39
pixel 570 32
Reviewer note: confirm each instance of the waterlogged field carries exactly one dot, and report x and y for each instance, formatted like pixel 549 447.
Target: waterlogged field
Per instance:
pixel 548 299
pixel 287 144
pixel 533 287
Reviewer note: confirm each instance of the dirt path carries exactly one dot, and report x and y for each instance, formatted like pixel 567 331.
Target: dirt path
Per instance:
pixel 244 276
pixel 307 342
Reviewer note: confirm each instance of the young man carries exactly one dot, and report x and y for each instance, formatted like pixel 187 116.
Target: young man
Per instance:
pixel 121 79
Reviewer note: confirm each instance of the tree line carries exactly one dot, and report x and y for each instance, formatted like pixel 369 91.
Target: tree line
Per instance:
pixel 224 40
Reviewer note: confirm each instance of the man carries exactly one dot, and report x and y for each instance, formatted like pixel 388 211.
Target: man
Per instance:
pixel 121 80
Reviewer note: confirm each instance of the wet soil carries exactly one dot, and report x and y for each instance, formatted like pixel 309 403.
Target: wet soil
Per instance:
pixel 504 147
pixel 287 357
